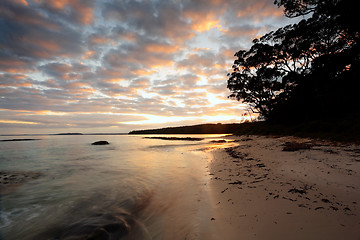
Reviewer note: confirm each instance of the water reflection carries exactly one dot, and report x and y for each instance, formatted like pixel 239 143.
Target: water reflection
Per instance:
pixel 133 188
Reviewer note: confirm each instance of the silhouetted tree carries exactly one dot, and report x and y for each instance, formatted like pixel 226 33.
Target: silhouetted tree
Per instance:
pixel 301 67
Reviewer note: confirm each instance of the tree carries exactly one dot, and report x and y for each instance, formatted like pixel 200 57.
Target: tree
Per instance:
pixel 299 66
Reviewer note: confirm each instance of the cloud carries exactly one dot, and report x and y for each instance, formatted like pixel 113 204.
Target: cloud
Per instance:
pixel 258 10
pixel 144 54
pixel 30 36
pixel 81 120
pixel 64 71
pixel 75 11
pixel 153 19
pixel 76 63
pixel 15 80
pixel 13 64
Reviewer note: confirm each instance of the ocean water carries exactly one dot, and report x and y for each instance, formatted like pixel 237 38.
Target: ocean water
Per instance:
pixel 134 188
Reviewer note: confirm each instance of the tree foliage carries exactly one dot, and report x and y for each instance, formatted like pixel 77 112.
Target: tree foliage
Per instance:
pixel 311 66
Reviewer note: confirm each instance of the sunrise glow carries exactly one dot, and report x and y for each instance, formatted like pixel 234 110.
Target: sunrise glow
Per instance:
pixel 111 66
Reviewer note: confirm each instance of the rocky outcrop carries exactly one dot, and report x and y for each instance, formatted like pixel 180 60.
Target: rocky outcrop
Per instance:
pixel 100 143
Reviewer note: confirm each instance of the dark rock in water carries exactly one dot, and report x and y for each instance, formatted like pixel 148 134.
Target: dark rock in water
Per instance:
pixel 100 143
pixel 19 139
pixel 218 141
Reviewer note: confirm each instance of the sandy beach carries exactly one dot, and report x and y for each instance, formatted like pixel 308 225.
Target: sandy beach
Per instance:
pixel 285 188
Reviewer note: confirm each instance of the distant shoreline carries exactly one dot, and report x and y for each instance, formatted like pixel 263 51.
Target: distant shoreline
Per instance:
pixel 209 128
pixel 341 130
pixel 19 139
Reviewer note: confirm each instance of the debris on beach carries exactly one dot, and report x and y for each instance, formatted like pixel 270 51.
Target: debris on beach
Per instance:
pixel 296 146
pixel 268 174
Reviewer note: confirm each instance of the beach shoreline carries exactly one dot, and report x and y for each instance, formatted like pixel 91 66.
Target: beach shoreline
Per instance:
pixel 310 191
pixel 225 187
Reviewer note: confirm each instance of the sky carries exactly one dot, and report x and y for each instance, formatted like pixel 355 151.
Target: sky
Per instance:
pixel 113 66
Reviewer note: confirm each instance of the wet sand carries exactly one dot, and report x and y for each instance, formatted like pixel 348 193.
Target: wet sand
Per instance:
pixel 285 188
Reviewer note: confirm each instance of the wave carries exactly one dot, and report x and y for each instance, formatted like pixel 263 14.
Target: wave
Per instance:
pixel 109 221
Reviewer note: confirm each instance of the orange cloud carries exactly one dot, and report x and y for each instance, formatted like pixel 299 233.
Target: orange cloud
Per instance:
pixel 46 48
pixel 201 23
pixel 81 92
pixel 161 48
pixel 23 2
pixel 143 72
pixel 16 85
pixel 260 9
pixel 229 54
pixel 89 54
pixel 82 9
pixel 48 45
pixel 76 85
pixel 17 122
pixel 206 25
pixel 116 80
pixel 14 65
pixel 42 112
pixel 11 63
pixel 129 37
pixel 99 40
pixel 58 4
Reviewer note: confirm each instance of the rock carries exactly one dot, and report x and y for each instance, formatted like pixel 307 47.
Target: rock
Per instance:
pixel 17 140
pixel 100 143
pixel 218 141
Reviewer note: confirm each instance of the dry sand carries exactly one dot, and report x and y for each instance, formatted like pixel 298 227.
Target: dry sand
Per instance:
pixel 259 191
